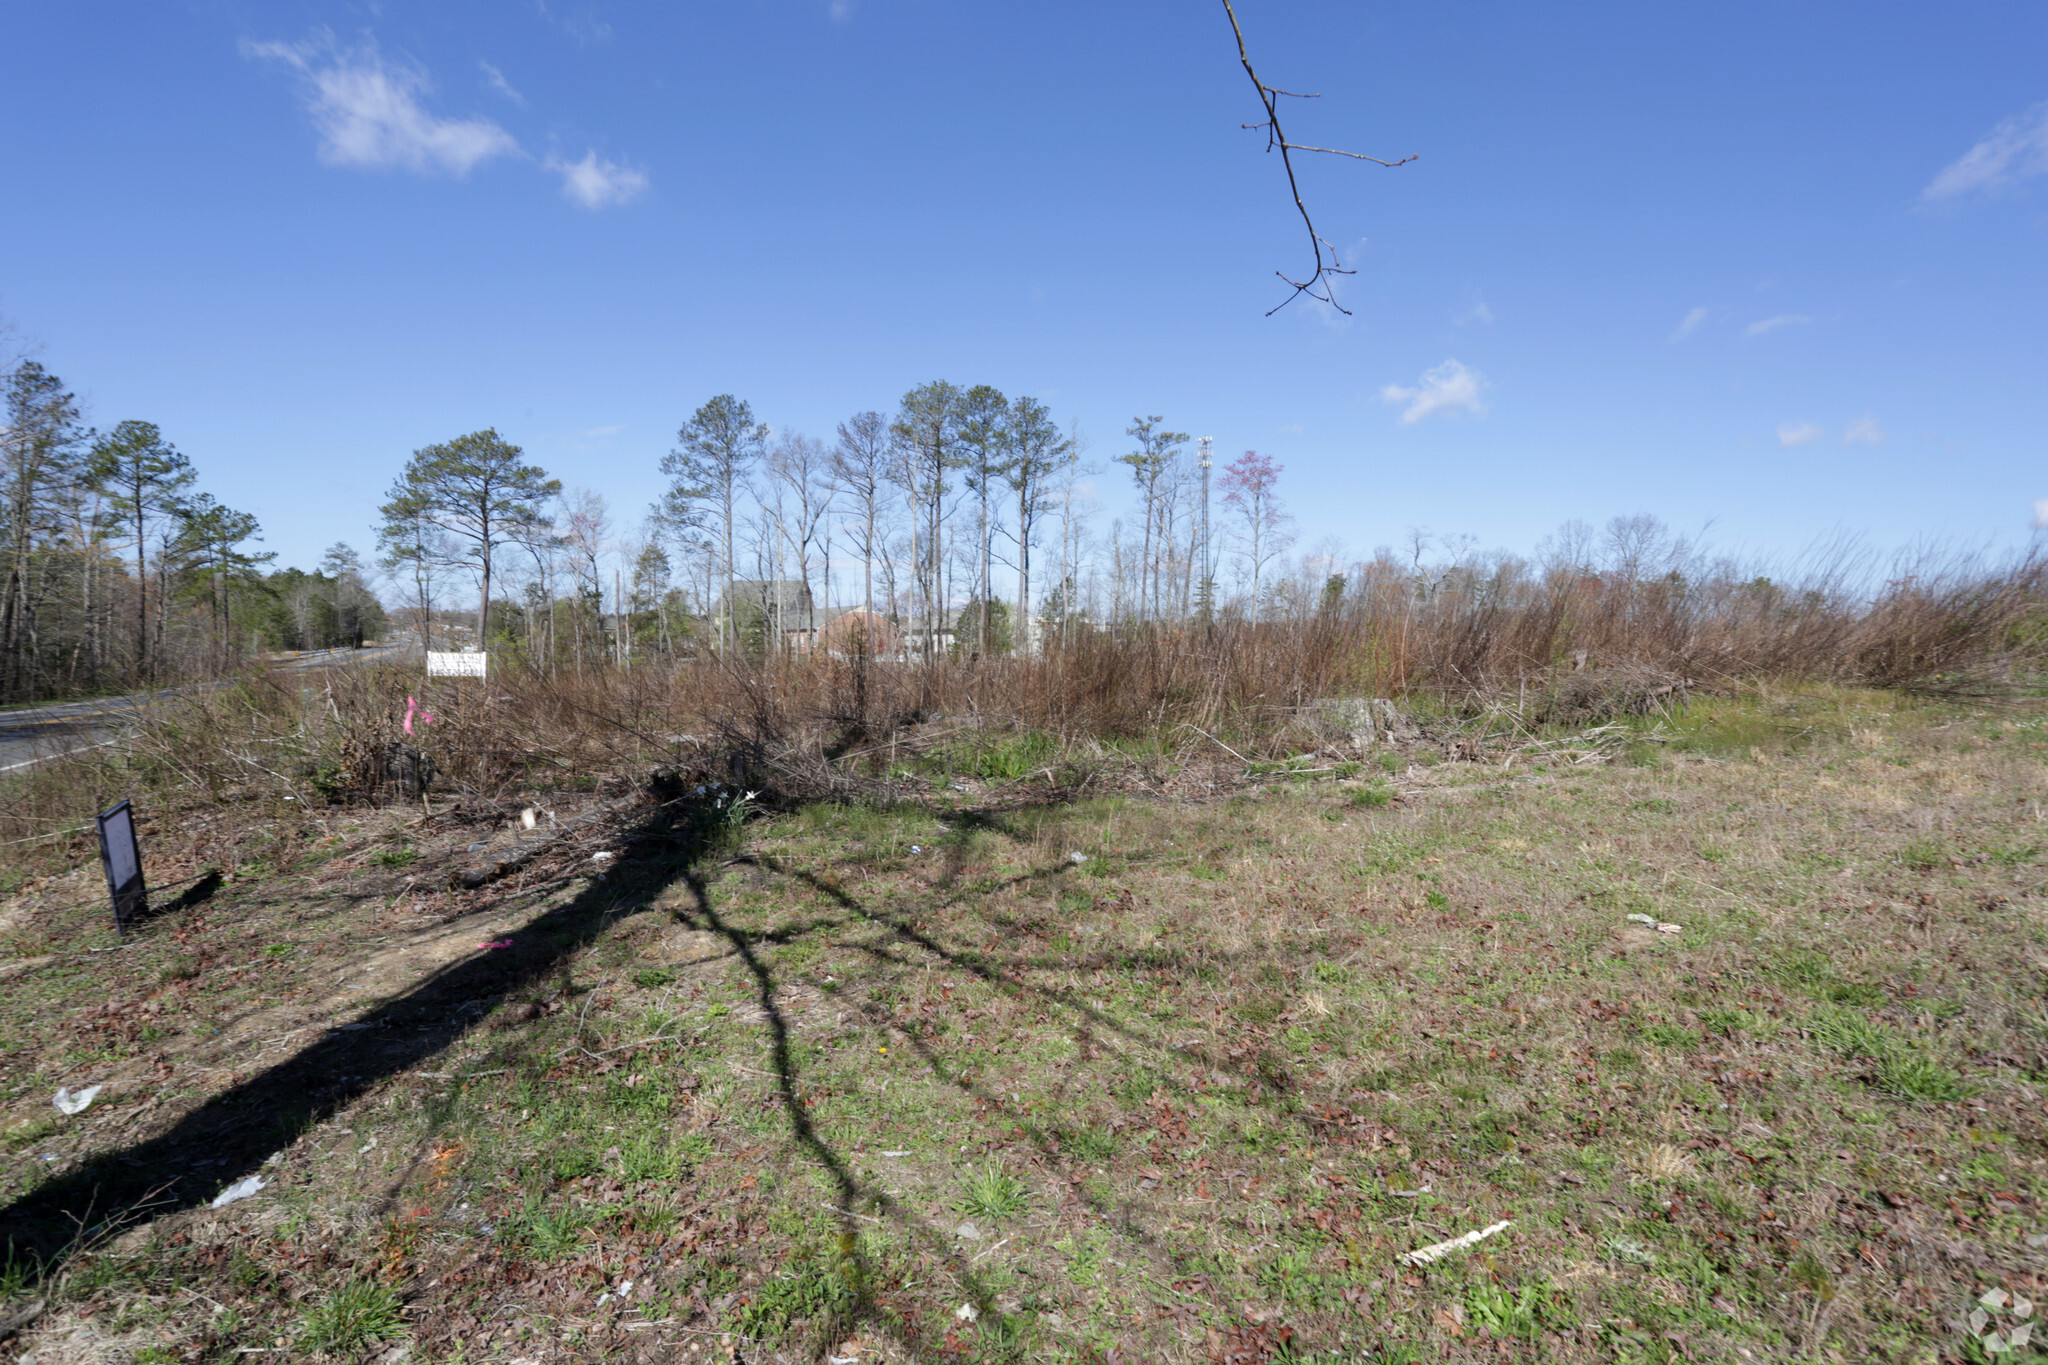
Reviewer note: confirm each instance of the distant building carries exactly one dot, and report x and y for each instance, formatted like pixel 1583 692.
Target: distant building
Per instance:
pixel 763 610
pixel 780 613
pixel 853 632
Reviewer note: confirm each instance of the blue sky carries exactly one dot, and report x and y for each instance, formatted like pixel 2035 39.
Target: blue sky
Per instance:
pixel 1773 267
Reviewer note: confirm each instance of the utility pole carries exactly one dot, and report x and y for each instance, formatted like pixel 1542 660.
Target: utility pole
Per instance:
pixel 1203 462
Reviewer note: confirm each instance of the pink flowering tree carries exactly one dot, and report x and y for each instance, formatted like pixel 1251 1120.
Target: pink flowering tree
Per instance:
pixel 1258 523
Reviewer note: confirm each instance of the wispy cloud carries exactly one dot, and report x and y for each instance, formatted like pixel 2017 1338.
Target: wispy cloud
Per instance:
pixel 841 11
pixel 1864 431
pixel 1478 313
pixel 596 183
pixel 1689 324
pixel 1799 433
pixel 1451 388
pixel 579 22
pixel 2017 149
pixel 1290 428
pixel 2041 514
pixel 495 79
pixel 1766 325
pixel 369 115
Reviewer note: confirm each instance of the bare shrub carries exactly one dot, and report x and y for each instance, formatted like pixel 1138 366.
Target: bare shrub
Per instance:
pixel 1569 647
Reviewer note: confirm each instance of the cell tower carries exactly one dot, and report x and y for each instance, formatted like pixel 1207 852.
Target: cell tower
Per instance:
pixel 1203 462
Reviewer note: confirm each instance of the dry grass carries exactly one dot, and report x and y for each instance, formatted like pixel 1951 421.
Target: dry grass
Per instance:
pixel 1535 657
pixel 1201 1087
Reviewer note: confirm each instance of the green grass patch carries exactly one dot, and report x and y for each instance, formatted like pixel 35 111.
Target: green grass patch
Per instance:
pixel 359 1314
pixel 993 1192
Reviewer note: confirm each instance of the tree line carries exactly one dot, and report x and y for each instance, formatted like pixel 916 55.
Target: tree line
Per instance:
pixel 115 572
pixel 964 519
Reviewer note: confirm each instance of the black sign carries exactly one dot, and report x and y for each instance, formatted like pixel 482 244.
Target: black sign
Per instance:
pixel 122 858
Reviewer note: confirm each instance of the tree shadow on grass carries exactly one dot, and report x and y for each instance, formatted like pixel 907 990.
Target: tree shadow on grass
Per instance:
pixel 235 1132
pixel 232 1134
pixel 1175 1071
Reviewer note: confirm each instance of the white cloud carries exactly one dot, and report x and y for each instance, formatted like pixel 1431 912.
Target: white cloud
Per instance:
pixel 1690 324
pixel 1764 325
pixel 580 23
pixel 1450 388
pixel 1864 431
pixel 1290 428
pixel 2041 514
pixel 1798 433
pixel 495 79
pixel 841 11
pixel 1478 312
pixel 368 111
pixel 2017 149
pixel 596 183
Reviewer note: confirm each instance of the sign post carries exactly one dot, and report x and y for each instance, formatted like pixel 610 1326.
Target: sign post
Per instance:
pixel 122 858
pixel 456 665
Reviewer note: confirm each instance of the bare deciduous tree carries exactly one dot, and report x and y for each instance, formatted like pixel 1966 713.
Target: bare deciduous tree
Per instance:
pixel 1259 527
pixel 1150 463
pixel 859 469
pixel 801 469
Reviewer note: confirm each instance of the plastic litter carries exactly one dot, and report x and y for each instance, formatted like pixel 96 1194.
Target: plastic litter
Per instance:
pixel 71 1101
pixel 967 1232
pixel 1077 858
pixel 600 857
pixel 1650 920
pixel 1439 1250
pixel 528 818
pixel 967 1312
pixel 1670 929
pixel 241 1189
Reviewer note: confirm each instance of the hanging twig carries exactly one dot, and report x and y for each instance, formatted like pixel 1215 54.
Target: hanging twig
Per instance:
pixel 1319 285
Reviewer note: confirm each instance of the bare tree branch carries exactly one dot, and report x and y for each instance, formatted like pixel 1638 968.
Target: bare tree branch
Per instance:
pixel 1318 285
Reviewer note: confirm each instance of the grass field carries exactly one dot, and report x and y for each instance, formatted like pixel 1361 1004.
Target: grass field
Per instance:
pixel 1122 1080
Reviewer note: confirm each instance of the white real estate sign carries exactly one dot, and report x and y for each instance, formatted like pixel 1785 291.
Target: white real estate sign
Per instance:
pixel 440 665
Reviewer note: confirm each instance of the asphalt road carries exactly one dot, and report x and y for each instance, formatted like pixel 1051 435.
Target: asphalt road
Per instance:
pixel 35 734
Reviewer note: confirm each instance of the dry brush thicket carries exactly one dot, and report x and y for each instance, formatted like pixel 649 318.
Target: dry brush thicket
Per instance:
pixel 1510 652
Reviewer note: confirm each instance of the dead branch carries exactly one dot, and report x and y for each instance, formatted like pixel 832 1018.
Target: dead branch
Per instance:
pixel 1318 285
